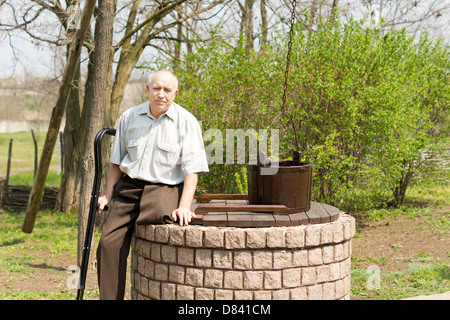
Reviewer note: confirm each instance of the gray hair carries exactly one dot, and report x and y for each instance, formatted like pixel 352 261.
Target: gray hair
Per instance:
pixel 152 75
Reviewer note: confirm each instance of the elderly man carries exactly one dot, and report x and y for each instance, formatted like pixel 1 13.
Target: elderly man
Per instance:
pixel 156 155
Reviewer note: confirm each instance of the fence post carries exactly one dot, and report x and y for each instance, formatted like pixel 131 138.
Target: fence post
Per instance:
pixel 8 168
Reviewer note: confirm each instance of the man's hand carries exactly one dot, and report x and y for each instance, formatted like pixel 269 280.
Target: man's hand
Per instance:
pixel 102 203
pixel 183 215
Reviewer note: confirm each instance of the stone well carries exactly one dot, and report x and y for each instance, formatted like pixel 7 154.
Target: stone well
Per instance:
pixel 305 262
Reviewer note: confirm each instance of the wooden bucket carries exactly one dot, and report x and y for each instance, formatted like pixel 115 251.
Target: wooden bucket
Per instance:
pixel 289 186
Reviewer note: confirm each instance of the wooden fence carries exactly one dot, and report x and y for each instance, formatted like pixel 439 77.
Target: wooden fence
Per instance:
pixel 15 197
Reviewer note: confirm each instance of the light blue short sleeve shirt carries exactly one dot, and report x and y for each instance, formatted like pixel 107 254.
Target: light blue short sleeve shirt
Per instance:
pixel 162 150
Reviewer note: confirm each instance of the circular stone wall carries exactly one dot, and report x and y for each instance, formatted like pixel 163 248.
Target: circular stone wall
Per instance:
pixel 303 262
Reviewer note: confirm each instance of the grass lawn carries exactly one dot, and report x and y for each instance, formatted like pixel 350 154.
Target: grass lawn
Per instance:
pixel 22 158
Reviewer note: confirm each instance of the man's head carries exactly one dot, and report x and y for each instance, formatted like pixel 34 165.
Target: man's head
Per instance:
pixel 162 88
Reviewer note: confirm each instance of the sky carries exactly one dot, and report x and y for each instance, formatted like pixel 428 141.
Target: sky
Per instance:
pixel 35 59
pixel 31 59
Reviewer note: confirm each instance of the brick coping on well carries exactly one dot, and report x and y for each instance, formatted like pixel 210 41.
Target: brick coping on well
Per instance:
pixel 304 262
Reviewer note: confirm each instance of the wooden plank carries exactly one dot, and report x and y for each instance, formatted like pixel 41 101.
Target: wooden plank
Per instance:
pixel 205 198
pixel 313 216
pixel 332 211
pixel 198 220
pixel 263 220
pixel 215 219
pixel 299 218
pixel 282 220
pixel 239 219
pixel 232 201
pixel 317 207
pixel 205 208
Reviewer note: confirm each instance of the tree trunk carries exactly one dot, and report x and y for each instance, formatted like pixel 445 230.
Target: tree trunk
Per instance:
pixel 95 110
pixel 264 23
pixel 37 190
pixel 247 24
pixel 71 135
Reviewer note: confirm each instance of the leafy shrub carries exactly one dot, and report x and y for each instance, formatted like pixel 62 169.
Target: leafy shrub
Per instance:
pixel 365 105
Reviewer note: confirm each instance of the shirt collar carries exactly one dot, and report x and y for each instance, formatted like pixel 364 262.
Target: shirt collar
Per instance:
pixel 171 112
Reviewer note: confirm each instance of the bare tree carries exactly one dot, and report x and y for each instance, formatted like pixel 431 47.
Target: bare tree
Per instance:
pixel 95 108
pixel 37 191
pixel 246 29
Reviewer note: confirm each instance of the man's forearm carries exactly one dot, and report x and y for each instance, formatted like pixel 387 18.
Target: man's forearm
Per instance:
pixel 190 183
pixel 113 176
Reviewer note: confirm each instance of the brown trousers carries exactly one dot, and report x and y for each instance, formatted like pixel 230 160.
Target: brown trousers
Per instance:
pixel 135 201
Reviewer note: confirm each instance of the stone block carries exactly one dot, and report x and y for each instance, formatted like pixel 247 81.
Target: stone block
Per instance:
pixel 203 258
pixel 281 294
pixel 176 236
pixel 155 252
pixel 243 295
pixel 186 256
pixel 185 292
pixel 162 233
pixel 168 254
pixel 315 256
pixel 253 279
pixel 161 272
pixel 242 260
pixel 194 277
pixel 222 294
pixel 213 278
pixel 233 280
pixel 300 258
pixel 299 293
pixel 168 291
pixel 323 273
pixel 328 290
pixel 312 236
pixel 262 259
pixel 275 238
pixel 222 259
pixel 291 278
pixel 309 276
pixel 176 274
pixel 326 234
pixel 338 233
pixel 256 238
pixel 262 295
pixel 295 237
pixel 149 268
pixel 154 289
pixel 214 238
pixel 272 279
pixel 194 237
pixel 204 294
pixel 235 239
pixel 282 259
pixel 328 254
pixel 150 232
pixel 315 292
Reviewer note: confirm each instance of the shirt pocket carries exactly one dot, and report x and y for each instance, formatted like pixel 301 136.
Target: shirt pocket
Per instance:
pixel 168 153
pixel 133 149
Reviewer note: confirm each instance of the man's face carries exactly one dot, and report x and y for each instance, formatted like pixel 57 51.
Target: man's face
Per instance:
pixel 161 93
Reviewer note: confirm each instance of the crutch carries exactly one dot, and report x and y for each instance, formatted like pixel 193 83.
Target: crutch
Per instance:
pixel 92 208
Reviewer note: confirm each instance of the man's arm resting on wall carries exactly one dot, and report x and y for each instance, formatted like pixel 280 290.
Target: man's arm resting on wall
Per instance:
pixel 184 214
pixel 113 176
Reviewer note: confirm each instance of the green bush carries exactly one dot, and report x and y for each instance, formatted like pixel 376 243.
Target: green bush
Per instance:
pixel 365 105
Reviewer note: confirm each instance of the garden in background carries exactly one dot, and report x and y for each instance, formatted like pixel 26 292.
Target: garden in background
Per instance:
pixel 370 110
